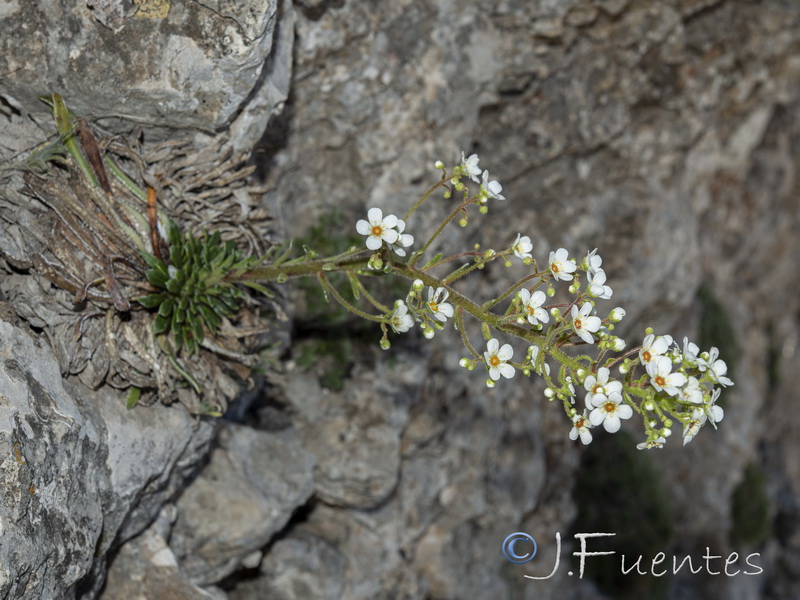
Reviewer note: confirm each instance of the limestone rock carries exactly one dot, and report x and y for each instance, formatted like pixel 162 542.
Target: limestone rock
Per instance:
pixel 154 62
pixel 244 496
pixel 81 474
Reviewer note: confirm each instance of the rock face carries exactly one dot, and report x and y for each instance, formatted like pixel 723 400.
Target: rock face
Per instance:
pixel 663 133
pixel 80 473
pixel 155 62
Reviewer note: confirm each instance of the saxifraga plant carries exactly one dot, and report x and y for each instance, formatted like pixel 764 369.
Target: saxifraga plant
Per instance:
pixel 193 282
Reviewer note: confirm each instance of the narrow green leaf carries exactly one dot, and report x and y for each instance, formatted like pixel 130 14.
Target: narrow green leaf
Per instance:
pixel 173 286
pixel 160 324
pixel 151 300
pixel 211 318
pixel 166 307
pixel 197 328
pixel 153 262
pixel 259 288
pixel 156 277
pixel 133 397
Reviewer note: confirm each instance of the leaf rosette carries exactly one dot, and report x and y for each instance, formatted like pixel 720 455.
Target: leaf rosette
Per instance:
pixel 195 291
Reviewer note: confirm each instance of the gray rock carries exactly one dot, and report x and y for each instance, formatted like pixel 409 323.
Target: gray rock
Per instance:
pixel 80 472
pixel 245 495
pixel 158 63
pixel 145 567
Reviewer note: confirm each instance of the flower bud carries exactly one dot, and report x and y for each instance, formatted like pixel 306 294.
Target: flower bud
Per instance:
pixel 385 344
pixel 417 285
pixel 490 383
pixel 438 165
pixel 463 363
pixel 616 315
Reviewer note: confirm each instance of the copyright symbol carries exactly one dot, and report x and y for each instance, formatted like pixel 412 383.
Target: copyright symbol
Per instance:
pixel 510 550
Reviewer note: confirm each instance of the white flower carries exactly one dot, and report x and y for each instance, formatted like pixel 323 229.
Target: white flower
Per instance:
pixel 400 320
pixel 609 412
pixel 532 304
pixel 470 166
pixel 597 285
pixel 561 266
pixel 691 392
pixel 618 344
pixel 436 303
pixel 656 443
pixel 583 324
pixel 534 351
pixel 404 240
pixel 653 347
pixel 714 412
pixel 593 262
pixel 580 427
pixel 690 352
pixel 661 376
pixel 600 387
pixel 491 189
pixel 378 229
pixel 691 428
pixel 716 367
pixel 497 358
pixel 522 247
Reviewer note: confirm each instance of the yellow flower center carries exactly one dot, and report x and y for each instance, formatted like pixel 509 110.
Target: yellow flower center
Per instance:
pixel 578 324
pixel 610 407
pixel 434 306
pixel 646 356
pixel 554 267
pixel 377 230
pixel 580 423
pixel 494 361
pixel 598 389
pixel 660 381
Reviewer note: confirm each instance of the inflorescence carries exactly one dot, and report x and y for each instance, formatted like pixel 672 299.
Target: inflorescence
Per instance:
pixel 666 383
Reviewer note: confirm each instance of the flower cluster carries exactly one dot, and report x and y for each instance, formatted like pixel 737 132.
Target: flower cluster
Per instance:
pixel 659 380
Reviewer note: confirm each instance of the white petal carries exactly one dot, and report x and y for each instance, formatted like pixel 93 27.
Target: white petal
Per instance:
pixel 612 424
pixel 506 370
pixel 624 411
pixel 505 353
pixel 374 242
pixel 363 227
pixel 492 346
pixel 375 216
pixel 596 416
pixel 390 235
